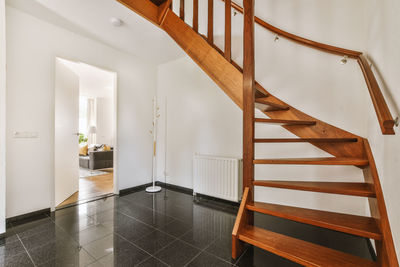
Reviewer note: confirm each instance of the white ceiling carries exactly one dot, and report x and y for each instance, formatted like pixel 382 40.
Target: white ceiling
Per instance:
pixel 93 81
pixel 91 18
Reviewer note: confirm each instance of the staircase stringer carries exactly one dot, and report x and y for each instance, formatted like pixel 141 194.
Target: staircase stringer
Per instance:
pixel 221 71
pixel 386 252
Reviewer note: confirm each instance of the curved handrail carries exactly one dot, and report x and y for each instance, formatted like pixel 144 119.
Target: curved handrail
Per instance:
pixel 327 48
pixel 382 111
pixel 386 121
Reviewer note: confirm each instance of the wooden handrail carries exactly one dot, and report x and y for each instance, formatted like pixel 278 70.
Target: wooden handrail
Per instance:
pixel 327 48
pixel 248 95
pixel 386 121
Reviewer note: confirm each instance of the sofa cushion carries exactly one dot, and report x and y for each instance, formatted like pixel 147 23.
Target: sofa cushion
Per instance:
pixel 83 150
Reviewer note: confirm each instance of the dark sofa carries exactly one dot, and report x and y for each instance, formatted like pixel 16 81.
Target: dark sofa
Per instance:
pixel 97 160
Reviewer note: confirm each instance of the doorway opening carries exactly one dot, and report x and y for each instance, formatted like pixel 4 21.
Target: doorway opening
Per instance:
pixel 85 133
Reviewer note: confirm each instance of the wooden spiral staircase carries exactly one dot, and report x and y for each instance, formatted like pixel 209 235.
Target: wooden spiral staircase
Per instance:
pixel 345 147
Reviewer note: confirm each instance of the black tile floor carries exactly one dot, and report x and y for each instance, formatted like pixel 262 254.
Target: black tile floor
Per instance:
pixel 141 229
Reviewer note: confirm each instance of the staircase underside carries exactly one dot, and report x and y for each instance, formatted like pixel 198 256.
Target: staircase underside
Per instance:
pixel 158 2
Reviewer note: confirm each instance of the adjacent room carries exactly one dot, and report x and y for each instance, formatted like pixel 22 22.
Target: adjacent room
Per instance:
pixel 85 132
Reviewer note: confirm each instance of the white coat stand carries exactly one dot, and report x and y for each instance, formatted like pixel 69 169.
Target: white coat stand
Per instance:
pixel 154 188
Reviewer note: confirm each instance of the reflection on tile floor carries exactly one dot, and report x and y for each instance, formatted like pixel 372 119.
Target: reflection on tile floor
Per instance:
pixel 141 229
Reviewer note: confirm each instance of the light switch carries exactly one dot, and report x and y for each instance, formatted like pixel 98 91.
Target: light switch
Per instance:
pixel 26 135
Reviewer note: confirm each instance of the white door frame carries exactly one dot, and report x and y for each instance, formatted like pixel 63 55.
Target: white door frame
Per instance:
pixel 115 122
pixel 2 117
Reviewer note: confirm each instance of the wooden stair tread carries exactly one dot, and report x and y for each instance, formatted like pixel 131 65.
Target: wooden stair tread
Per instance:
pixel 351 224
pixel 351 189
pixel 302 252
pixel 315 161
pixel 304 140
pixel 284 122
pixel 271 106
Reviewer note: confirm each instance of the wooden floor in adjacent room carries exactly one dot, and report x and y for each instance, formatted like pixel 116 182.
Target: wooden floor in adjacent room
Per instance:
pixel 92 187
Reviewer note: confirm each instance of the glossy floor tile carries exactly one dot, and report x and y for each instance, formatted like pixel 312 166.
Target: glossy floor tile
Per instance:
pixel 140 229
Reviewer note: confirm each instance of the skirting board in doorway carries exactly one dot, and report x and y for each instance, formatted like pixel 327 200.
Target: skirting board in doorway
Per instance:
pixel 28 217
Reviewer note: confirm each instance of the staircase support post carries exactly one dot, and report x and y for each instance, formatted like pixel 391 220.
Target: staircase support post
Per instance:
pixel 246 217
pixel 248 97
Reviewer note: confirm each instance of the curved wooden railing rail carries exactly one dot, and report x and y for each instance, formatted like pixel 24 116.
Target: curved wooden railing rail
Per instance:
pixel 382 111
pixel 324 47
pixel 383 114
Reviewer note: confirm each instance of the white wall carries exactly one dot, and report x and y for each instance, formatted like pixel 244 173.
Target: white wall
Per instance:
pixel 200 119
pixel 105 122
pixel 2 117
pixel 383 51
pixel 32 47
pixel 99 84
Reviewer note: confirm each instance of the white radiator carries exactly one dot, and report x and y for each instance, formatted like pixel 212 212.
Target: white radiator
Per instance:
pixel 218 177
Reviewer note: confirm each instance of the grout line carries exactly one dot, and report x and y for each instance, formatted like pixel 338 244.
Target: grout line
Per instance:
pixel 27 252
pixel 144 260
pixel 237 261
pixel 149 225
pixel 161 213
pixel 152 256
pixel 201 251
pixel 197 255
pixel 80 247
pixel 143 249
pixel 205 251
pixel 97 260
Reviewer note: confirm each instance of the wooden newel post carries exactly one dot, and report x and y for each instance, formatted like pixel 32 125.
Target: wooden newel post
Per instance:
pixel 248 96
pixel 246 217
